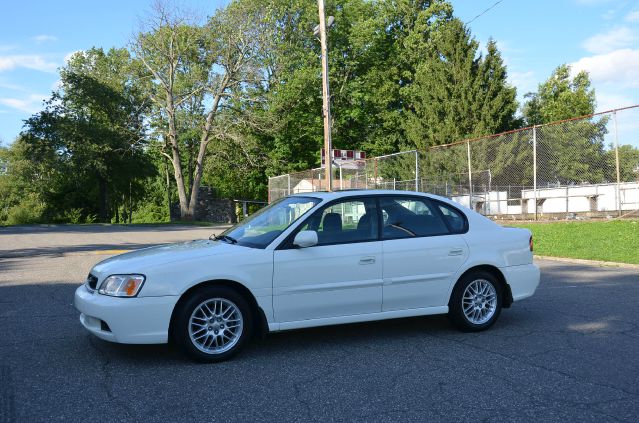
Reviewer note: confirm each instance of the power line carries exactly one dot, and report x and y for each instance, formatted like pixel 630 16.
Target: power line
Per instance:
pixel 485 11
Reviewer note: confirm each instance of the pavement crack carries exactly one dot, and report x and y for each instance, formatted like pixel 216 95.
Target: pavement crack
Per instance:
pixel 107 379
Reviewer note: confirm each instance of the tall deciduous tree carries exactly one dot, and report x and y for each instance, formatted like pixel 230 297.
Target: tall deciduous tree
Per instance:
pixel 210 62
pixel 572 152
pixel 560 97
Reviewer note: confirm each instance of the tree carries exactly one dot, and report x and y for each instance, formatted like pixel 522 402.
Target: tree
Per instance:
pixel 374 49
pixel 628 163
pixel 92 133
pixel 574 151
pixel 458 93
pixel 560 97
pixel 186 60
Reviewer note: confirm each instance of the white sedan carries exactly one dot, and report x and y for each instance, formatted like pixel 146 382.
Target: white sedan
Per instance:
pixel 312 260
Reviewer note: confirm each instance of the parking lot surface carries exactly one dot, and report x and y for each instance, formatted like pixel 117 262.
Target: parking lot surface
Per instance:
pixel 570 353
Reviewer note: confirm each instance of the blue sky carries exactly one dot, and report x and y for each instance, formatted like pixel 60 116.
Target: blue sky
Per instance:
pixel 601 36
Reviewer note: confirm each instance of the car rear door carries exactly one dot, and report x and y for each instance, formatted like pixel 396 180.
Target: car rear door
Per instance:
pixel 422 250
pixel 341 275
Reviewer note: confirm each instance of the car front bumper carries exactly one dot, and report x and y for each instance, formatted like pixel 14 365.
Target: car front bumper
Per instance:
pixel 523 280
pixel 139 320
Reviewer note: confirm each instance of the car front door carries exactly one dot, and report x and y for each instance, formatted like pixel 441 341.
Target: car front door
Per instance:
pixel 341 275
pixel 422 252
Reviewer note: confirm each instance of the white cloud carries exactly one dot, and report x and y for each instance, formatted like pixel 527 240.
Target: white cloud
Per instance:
pixel 525 82
pixel 44 38
pixel 614 39
pixel 608 99
pixel 13 87
pixel 619 67
pixel 29 61
pixel 31 104
pixel 632 16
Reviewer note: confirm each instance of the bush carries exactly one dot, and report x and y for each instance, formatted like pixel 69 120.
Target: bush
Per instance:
pixel 29 210
pixel 150 213
pixel 73 216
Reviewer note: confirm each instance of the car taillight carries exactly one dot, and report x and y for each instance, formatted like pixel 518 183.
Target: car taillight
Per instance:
pixel 530 243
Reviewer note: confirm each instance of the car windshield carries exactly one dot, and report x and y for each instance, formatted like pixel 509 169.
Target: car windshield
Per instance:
pixel 260 229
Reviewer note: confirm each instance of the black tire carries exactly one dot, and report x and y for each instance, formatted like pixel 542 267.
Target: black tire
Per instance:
pixel 187 308
pixel 456 304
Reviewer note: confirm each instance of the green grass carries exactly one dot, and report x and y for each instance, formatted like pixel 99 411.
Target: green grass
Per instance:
pixel 616 241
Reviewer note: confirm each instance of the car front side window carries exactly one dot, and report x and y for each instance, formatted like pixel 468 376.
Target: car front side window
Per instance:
pixel 351 220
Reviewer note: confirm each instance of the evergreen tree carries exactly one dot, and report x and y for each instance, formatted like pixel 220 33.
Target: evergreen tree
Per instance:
pixel 458 93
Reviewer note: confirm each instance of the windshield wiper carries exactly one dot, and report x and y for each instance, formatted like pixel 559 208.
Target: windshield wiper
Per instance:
pixel 225 238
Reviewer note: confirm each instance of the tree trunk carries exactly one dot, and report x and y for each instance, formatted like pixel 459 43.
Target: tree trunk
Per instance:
pixel 168 186
pixel 104 200
pixel 204 142
pixel 185 212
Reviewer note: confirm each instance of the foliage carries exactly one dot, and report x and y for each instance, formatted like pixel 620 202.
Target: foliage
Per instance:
pixel 458 93
pixel 91 128
pixel 574 151
pixel 231 99
pixel 199 69
pixel 30 209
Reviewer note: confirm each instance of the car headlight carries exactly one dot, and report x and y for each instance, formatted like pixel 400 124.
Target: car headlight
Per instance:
pixel 122 285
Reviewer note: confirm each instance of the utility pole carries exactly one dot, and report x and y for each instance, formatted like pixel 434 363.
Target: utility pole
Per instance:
pixel 328 145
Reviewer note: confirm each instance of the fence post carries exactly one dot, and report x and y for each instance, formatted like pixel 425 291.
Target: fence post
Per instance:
pixel 535 168
pixel 417 170
pixel 618 187
pixel 375 177
pixel 289 184
pixel 470 177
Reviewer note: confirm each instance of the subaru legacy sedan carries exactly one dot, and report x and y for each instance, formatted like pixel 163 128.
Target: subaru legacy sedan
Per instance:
pixel 315 259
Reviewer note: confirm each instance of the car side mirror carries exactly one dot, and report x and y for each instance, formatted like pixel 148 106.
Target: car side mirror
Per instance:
pixel 305 239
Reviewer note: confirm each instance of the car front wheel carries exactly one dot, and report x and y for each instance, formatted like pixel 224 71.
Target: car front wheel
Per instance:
pixel 213 324
pixel 476 302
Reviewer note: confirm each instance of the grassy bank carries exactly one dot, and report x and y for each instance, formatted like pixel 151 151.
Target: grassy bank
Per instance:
pixel 602 240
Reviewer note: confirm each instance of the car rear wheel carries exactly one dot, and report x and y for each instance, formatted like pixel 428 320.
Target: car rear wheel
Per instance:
pixel 476 302
pixel 213 324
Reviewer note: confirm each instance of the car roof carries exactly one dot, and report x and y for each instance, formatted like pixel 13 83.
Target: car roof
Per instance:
pixel 325 195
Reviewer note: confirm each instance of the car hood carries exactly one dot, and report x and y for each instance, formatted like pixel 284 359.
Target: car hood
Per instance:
pixel 139 261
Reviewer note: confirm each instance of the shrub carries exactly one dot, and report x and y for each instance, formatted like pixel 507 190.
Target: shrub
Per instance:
pixel 73 216
pixel 29 210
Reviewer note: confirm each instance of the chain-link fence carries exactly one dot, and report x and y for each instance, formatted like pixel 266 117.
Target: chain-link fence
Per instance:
pixel 393 171
pixel 587 166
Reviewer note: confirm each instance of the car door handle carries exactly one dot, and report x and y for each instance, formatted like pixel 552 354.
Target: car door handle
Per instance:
pixel 456 252
pixel 367 260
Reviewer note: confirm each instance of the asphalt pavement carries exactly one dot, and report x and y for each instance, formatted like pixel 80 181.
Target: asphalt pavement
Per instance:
pixel 570 353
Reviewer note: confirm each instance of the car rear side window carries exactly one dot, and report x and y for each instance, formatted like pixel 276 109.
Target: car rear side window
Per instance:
pixel 408 217
pixel 453 217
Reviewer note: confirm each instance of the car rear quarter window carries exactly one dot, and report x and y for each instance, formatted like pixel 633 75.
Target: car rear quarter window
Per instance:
pixel 454 218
